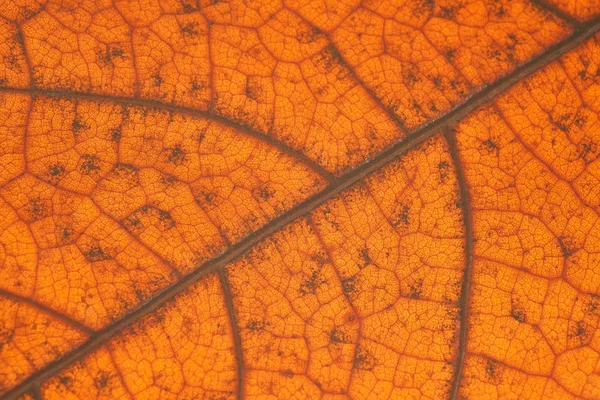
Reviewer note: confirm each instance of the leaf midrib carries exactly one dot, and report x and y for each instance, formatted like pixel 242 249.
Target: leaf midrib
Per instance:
pixel 336 185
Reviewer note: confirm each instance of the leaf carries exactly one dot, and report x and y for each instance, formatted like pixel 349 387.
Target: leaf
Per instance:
pixel 236 199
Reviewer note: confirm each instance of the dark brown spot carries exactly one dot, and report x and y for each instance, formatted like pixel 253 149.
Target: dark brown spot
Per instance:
pixel 568 246
pixel 115 135
pixel 165 219
pixel 5 337
pixel 339 336
pixel 255 326
pixel 167 179
pixel 401 216
pixel 518 314
pixel 197 86
pixel 350 318
pixel 37 209
pixel 56 171
pixel 265 192
pixel 77 125
pixel 587 150
pixel 253 88
pixel 443 168
pixel 491 368
pixel 288 373
pixel 101 380
pixel 157 80
pixel 500 12
pixel 366 259
pixel 562 123
pixel 310 284
pixel 175 155
pixel 489 145
pixel 580 333
pixel 364 360
pixel 190 29
pixel 349 285
pixel 64 234
pixel 189 8
pixel 416 289
pixel 65 381
pixel 108 54
pixel 593 306
pixel 132 224
pixel 96 253
pixel 409 75
pixel 448 12
pixel 309 36
pixel 89 164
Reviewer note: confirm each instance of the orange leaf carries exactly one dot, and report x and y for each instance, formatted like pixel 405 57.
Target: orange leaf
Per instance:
pixel 301 199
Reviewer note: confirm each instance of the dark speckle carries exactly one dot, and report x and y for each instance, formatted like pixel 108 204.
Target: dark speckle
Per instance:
pixel 190 29
pixel 518 314
pixel 364 360
pixel 265 192
pixel 176 155
pixel 255 326
pixel 115 135
pixel 5 337
pixel 366 259
pixel 157 80
pixel 308 36
pixel 77 125
pixel 110 53
pixel 311 283
pixel 89 164
pixel 337 335
pixel 188 8
pixel 253 89
pixel 562 123
pixel 500 12
pixel 96 253
pixel 587 150
pixel 56 171
pixel 64 234
pixel 209 197
pixel 489 145
pixel 166 221
pixel 288 373
pixel 349 285
pixel 580 333
pixel 409 76
pixel 401 216
pixel 448 12
pixel 491 368
pixel 65 381
pixel 132 224
pixel 593 307
pixel 101 380
pixel 567 246
pixel 416 289
pixel 37 209
pixel 443 168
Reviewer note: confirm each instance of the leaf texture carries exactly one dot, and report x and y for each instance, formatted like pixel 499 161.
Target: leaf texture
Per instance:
pixel 300 199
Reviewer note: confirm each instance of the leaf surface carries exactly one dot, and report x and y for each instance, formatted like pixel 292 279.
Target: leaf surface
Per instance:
pixel 309 199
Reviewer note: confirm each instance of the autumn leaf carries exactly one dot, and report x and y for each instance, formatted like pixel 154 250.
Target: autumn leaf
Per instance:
pixel 301 199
